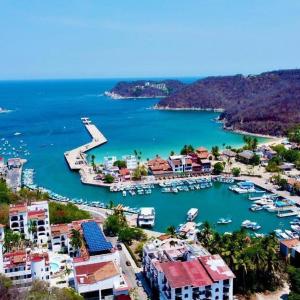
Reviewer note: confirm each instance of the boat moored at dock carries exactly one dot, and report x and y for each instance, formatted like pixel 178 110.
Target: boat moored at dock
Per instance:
pixel 146 217
pixel 192 214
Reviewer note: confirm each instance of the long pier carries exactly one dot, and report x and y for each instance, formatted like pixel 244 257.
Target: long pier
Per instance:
pixel 76 158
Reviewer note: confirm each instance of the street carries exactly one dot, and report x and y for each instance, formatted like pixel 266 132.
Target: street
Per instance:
pixel 132 273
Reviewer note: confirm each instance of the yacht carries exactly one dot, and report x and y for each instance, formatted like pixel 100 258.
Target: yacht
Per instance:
pixel 146 217
pixel 192 214
pixel 224 221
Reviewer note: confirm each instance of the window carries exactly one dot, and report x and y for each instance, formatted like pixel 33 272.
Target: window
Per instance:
pixel 217 289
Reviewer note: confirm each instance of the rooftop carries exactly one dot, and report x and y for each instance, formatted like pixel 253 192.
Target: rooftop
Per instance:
pixel 95 239
pixel 92 273
pixel 290 243
pixel 17 208
pixel 188 273
pixel 216 267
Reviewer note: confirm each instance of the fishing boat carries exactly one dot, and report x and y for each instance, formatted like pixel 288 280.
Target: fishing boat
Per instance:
pixel 223 221
pixel 255 207
pixel 250 225
pixel 192 214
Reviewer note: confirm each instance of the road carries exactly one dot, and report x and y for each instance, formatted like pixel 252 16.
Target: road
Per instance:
pixel 132 273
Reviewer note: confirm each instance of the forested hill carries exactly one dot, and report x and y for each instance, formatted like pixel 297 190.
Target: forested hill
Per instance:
pixel 268 103
pixel 145 89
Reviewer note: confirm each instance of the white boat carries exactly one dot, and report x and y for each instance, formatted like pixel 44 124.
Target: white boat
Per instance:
pixel 224 221
pixel 192 214
pixel 146 217
pixel 124 193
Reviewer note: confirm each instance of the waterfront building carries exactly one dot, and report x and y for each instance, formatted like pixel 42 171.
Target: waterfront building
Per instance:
pixel 124 174
pixel 181 163
pixel 245 156
pixel 14 163
pixel 290 249
pixel 97 270
pixel 31 220
pixel 203 153
pixel 109 161
pixel 159 166
pixel 206 166
pixel 179 270
pixel 228 154
pixel 131 161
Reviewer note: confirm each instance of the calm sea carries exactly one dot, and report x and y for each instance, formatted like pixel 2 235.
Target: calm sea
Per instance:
pixel 47 114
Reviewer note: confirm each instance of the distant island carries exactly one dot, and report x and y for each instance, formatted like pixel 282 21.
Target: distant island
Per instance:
pixel 266 104
pixel 144 89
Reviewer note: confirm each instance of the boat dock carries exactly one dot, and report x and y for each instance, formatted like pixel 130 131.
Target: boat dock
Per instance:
pixel 76 158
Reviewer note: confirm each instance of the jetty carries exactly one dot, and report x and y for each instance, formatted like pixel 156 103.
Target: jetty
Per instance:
pixel 76 158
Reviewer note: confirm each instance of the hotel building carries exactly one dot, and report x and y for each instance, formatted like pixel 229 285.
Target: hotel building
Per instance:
pixel 178 270
pixel 31 220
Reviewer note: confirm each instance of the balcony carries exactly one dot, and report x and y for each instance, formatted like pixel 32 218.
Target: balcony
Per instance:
pixel 15 225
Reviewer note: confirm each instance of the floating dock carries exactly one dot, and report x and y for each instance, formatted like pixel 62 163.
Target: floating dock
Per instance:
pixel 76 158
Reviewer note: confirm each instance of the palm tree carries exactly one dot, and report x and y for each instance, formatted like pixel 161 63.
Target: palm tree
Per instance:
pixel 205 235
pixel 76 239
pixel 93 157
pixel 32 228
pixel 171 230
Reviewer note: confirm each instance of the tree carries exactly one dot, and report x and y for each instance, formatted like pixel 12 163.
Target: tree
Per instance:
pixel 66 213
pixel 127 234
pixel 4 213
pixel 109 178
pixel 121 164
pixel 255 160
pixel 114 223
pixel 76 239
pixel 291 155
pixel 236 172
pixel 11 240
pixel 218 168
pixel 172 153
pixel 93 162
pixel 171 230
pixel 215 151
pixel 251 142
pixel 294 134
pixel 32 228
pixel 272 166
pixel 187 149
pixel 205 234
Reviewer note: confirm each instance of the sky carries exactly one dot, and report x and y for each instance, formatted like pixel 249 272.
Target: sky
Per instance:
pixel 139 38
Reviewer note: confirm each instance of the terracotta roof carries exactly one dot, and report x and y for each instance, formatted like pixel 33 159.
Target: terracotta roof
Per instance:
pixel 158 164
pixel 202 153
pixel 92 273
pixel 36 214
pixel 59 229
pixel 188 273
pixel 17 208
pixel 290 243
pixel 216 267
pixel 124 172
pixel 15 258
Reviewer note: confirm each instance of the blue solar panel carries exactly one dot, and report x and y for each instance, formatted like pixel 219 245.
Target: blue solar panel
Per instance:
pixel 95 239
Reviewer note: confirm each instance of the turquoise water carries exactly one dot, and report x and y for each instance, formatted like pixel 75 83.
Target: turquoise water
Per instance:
pixel 47 114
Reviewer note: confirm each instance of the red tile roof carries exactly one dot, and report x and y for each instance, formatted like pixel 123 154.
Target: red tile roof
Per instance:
pixel 216 267
pixel 17 208
pixel 36 214
pixel 290 243
pixel 59 229
pixel 92 273
pixel 180 274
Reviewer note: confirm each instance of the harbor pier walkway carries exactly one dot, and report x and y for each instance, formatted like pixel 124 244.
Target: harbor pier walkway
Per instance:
pixel 76 158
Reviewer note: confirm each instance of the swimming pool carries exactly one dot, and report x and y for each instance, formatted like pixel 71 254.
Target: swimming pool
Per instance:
pixel 54 267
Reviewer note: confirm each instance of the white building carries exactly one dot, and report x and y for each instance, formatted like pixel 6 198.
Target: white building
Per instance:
pixel 31 220
pixel 1 248
pixel 97 271
pixel 180 163
pixel 131 161
pixel 23 267
pixel 109 161
pixel 179 270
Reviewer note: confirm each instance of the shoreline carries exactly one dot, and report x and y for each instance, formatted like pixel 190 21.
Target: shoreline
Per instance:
pixel 155 107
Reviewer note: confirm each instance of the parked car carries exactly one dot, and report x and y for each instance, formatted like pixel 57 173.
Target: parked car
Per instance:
pixel 128 263
pixel 139 283
pixel 119 246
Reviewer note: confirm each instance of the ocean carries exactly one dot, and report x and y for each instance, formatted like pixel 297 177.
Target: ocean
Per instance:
pixel 47 115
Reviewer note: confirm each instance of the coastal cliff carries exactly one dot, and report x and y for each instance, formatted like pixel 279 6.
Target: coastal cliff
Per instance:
pixel 144 89
pixel 268 103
